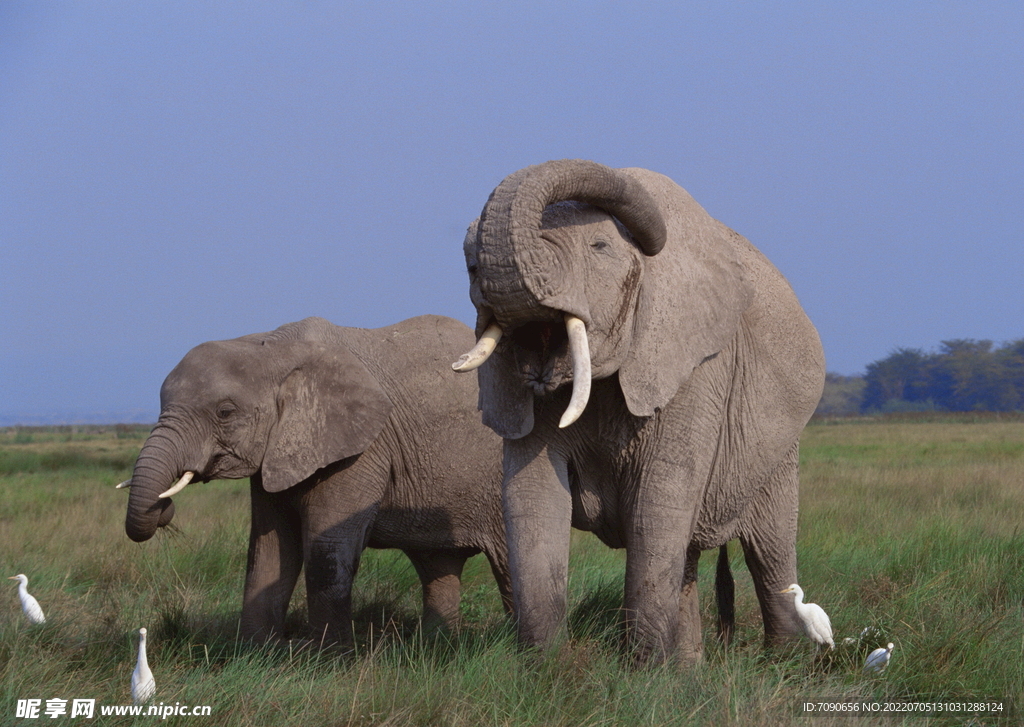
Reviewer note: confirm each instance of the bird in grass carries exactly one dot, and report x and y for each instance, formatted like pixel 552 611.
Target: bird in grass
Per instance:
pixel 143 684
pixel 28 603
pixel 878 659
pixel 813 619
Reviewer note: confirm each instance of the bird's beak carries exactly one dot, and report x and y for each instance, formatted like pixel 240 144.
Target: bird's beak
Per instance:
pixel 12 578
pixel 788 590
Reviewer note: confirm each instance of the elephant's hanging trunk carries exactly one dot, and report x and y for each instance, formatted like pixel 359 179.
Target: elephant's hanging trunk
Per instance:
pixel 157 468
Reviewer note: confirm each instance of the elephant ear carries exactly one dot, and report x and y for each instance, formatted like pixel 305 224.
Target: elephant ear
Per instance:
pixel 329 407
pixel 693 295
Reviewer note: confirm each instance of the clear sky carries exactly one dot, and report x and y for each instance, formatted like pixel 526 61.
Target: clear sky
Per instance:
pixel 172 173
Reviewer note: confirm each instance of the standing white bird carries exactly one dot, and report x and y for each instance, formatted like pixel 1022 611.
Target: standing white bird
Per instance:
pixel 813 619
pixel 878 659
pixel 28 604
pixel 143 684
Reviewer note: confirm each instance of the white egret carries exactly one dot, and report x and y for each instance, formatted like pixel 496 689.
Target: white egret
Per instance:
pixel 143 684
pixel 28 604
pixel 813 618
pixel 878 659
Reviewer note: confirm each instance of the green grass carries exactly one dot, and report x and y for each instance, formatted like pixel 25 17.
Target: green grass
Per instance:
pixel 913 527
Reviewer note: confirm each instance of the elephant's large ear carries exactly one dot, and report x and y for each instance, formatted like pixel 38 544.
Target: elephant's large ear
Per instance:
pixel 329 407
pixel 691 300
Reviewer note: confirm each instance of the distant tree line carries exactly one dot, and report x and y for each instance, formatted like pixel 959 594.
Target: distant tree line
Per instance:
pixel 963 375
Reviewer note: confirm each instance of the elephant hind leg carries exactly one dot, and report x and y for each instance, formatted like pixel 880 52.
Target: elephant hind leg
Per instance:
pixel 725 595
pixel 441 576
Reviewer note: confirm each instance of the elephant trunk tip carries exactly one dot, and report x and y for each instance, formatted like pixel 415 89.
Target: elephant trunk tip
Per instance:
pixel 142 529
pixel 139 536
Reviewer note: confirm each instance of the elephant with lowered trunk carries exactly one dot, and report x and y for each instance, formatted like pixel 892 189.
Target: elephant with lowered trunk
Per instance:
pixel 350 438
pixel 650 372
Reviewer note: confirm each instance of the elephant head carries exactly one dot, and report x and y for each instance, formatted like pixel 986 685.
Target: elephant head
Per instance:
pixel 579 272
pixel 283 404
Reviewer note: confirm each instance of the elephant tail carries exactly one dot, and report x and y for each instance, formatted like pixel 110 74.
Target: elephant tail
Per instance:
pixel 725 595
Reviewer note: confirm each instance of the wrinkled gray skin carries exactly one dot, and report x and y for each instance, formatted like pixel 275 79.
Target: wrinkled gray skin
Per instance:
pixel 705 371
pixel 351 438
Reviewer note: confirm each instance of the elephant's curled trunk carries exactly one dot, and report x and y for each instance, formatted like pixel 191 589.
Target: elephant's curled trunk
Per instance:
pixel 156 469
pixel 513 212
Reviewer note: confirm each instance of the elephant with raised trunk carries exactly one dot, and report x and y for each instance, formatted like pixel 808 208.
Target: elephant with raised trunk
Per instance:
pixel 650 372
pixel 351 438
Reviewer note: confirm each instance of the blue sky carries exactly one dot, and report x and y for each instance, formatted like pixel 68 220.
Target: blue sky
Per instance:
pixel 172 173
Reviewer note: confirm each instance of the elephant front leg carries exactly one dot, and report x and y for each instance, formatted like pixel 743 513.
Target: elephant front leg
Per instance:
pixel 274 563
pixel 538 513
pixel 662 617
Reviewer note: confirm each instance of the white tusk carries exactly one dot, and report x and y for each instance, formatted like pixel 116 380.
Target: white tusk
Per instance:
pixel 122 485
pixel 579 351
pixel 179 485
pixel 481 351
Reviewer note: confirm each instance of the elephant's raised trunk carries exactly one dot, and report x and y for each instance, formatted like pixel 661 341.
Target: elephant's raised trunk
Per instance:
pixel 510 229
pixel 156 469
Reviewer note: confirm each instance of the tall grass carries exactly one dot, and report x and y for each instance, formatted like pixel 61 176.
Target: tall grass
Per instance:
pixel 912 528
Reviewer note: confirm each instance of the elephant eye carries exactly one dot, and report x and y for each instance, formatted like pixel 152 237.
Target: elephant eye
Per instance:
pixel 599 244
pixel 225 410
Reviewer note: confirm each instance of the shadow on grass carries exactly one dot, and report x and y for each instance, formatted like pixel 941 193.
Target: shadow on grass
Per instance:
pixel 598 616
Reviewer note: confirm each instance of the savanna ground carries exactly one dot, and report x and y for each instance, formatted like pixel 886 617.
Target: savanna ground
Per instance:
pixel 913 527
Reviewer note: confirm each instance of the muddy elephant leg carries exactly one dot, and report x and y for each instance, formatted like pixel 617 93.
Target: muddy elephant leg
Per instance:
pixel 330 569
pixel 441 576
pixel 725 596
pixel 274 563
pixel 769 548
pixel 332 559
pixel 538 515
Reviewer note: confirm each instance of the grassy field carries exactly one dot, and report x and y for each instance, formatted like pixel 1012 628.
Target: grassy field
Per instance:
pixel 912 527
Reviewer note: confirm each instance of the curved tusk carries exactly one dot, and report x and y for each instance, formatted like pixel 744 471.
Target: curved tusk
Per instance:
pixel 179 485
pixel 122 485
pixel 579 350
pixel 481 351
